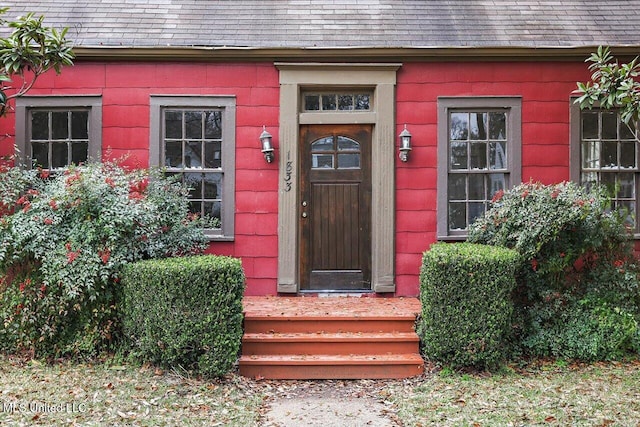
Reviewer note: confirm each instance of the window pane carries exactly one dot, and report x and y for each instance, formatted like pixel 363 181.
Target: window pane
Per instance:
pixel 195 207
pixel 59 155
pixel 626 131
pixel 40 154
pixel 609 181
pixel 312 102
pixel 458 155
pixel 478 126
pixel 459 126
pixel 80 125
pixel 79 152
pixel 589 179
pixel 194 182
pixel 498 155
pixel 193 124
pixel 193 154
pixel 609 154
pixel 629 208
pixel 476 187
pixel 173 154
pixel 590 125
pixel 457 216
pixel 609 125
pixel 212 214
pixel 478 155
pixel 457 187
pixel 628 154
pixel 347 144
pixel 362 102
pixel 329 102
pixel 59 125
pixel 40 125
pixel 591 154
pixel 213 154
pixel 323 144
pixel 322 161
pixel 173 124
pixel 345 102
pixel 497 182
pixel 476 210
pixel 213 125
pixel 497 125
pixel 349 161
pixel 212 186
pixel 626 186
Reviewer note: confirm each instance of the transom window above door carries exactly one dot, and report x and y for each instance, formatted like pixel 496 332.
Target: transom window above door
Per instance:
pixel 336 101
pixel 335 152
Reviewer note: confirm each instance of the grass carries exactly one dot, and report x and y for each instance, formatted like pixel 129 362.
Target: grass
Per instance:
pixel 105 394
pixel 549 395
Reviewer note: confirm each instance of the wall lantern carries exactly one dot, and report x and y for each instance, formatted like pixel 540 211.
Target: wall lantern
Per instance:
pixel 267 148
pixel 405 144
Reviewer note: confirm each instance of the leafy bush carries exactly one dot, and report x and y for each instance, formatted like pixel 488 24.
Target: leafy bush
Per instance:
pixel 185 312
pixel 465 291
pixel 578 284
pixel 63 241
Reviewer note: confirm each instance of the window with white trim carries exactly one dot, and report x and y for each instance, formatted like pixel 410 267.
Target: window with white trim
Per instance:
pixel 194 138
pixel 479 146
pixel 54 132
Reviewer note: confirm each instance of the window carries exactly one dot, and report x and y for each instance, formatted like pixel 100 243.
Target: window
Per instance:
pixel 332 101
pixel 326 154
pixel 55 132
pixel 604 151
pixel 194 138
pixel 479 154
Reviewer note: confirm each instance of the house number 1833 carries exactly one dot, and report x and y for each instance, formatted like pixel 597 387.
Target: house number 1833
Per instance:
pixel 287 173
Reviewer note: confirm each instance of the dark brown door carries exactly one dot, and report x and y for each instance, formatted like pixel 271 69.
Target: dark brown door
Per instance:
pixel 335 207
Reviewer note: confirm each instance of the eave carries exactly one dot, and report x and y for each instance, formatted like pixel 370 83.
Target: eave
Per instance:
pixel 342 54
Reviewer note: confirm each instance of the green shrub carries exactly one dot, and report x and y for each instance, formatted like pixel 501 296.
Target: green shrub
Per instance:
pixel 185 312
pixel 64 238
pixel 578 283
pixel 465 290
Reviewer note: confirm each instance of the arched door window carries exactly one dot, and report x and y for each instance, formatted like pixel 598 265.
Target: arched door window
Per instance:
pixel 335 152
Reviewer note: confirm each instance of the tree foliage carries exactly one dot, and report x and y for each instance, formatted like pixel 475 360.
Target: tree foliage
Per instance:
pixel 29 51
pixel 612 85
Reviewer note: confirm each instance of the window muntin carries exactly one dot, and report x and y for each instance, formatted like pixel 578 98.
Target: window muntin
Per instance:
pixel 192 150
pixel 335 152
pixel 608 156
pixel 336 101
pixel 193 138
pixel 58 138
pixel 54 132
pixel 478 165
pixel 479 146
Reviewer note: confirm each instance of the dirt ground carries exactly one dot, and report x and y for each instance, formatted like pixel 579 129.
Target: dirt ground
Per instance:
pixel 327 403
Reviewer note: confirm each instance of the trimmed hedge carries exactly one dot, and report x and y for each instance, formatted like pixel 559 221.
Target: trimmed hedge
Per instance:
pixel 465 290
pixel 185 311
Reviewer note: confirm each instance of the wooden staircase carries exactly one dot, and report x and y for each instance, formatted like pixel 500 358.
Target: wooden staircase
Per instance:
pixel 330 338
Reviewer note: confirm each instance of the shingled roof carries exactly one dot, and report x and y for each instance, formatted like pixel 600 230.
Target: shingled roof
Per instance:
pixel 313 24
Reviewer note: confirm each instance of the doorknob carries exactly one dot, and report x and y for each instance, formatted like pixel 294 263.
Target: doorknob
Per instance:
pixel 304 214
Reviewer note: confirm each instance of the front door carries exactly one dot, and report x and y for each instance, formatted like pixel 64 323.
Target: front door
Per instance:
pixel 335 207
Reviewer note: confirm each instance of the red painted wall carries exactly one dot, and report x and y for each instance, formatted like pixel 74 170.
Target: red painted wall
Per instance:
pixel 545 89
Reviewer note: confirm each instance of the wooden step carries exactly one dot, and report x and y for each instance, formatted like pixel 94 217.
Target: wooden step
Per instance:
pixel 375 366
pixel 329 343
pixel 330 338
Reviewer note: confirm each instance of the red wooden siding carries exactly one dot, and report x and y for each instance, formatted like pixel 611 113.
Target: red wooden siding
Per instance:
pixel 126 88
